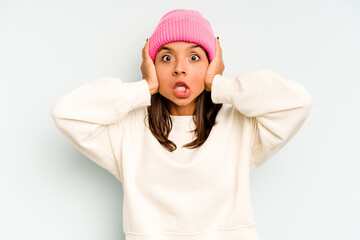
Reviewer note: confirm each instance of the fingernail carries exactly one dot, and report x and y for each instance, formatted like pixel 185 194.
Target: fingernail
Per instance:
pixel 147 39
pixel 218 38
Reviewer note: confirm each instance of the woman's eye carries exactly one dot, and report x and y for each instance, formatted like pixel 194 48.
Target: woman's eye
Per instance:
pixel 194 55
pixel 164 57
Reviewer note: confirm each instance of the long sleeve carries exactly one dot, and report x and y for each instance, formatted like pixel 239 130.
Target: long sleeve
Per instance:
pixel 91 113
pixel 276 107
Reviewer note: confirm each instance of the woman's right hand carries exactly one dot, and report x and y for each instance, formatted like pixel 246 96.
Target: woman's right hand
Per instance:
pixel 148 70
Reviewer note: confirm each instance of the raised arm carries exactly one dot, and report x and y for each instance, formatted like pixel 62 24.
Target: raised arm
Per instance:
pixel 90 117
pixel 277 108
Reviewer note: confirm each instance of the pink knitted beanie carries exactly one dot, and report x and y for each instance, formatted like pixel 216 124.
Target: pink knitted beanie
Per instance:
pixel 183 25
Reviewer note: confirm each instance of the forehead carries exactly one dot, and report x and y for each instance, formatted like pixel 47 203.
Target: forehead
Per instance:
pixel 180 46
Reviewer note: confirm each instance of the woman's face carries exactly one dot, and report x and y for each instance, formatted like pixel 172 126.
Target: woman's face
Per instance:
pixel 183 61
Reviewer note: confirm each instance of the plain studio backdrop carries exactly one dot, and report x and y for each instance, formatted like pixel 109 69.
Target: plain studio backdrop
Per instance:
pixel 49 190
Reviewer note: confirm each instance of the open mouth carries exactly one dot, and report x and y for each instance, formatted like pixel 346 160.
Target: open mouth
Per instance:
pixel 181 89
pixel 181 85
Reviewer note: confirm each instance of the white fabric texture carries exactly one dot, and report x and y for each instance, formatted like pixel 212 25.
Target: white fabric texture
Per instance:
pixel 191 194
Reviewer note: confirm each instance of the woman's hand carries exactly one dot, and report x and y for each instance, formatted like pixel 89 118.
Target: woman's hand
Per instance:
pixel 216 67
pixel 148 70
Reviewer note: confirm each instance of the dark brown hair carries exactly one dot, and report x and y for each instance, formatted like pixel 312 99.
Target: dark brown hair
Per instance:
pixel 160 122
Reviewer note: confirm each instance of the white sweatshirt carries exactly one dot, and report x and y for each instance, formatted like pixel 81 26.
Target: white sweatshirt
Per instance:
pixel 188 194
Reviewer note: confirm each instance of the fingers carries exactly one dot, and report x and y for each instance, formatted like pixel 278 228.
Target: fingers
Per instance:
pixel 145 50
pixel 218 54
pixel 218 48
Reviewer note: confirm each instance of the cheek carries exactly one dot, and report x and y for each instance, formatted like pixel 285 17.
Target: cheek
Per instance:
pixel 161 75
pixel 164 83
pixel 162 71
pixel 200 72
pixel 201 68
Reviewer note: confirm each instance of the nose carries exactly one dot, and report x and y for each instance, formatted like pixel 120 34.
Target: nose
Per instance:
pixel 180 67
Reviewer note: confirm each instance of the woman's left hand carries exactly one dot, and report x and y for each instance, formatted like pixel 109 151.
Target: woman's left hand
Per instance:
pixel 216 67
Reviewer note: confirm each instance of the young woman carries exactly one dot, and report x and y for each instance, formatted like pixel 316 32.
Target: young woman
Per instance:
pixel 184 139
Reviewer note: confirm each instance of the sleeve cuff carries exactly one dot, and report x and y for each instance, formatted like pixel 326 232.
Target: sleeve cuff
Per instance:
pixel 223 89
pixel 142 96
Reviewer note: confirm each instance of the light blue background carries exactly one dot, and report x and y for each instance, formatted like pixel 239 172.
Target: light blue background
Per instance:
pixel 49 190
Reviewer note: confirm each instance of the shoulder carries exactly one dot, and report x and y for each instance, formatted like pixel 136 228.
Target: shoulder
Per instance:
pixel 134 117
pixel 228 113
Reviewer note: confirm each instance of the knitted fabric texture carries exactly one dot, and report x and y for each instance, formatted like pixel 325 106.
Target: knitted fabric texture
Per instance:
pixel 183 25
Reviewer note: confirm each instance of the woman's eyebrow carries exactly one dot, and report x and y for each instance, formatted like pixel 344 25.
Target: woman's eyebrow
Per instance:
pixel 167 48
